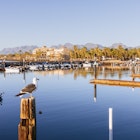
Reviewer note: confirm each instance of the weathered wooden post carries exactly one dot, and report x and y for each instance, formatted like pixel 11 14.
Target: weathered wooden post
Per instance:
pixel 95 71
pixel 110 124
pixel 95 64
pixel 23 69
pixel 27 125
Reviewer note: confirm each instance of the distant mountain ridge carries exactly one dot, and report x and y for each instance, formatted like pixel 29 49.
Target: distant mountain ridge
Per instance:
pixel 92 45
pixel 23 49
pixel 70 45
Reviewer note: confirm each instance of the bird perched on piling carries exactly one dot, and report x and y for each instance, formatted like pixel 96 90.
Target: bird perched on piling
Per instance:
pixel 29 88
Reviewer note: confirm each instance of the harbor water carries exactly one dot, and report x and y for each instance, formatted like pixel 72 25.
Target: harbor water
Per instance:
pixel 69 107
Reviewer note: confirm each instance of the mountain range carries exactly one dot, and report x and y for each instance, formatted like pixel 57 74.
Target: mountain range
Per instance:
pixel 23 49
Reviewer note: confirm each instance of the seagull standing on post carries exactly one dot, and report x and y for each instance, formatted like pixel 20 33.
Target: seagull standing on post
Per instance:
pixel 29 88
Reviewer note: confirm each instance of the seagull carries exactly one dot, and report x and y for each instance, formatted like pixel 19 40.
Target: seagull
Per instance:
pixel 29 88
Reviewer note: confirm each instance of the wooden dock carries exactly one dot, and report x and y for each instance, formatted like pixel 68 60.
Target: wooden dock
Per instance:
pixel 116 82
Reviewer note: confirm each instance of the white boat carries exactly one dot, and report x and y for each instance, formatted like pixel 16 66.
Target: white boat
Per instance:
pixel 86 64
pixel 95 64
pixel 34 67
pixel 65 65
pixel 12 70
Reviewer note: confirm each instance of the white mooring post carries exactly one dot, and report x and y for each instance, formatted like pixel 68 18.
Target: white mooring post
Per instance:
pixel 110 124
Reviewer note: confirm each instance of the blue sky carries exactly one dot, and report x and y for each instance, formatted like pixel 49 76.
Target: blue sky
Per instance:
pixel 54 22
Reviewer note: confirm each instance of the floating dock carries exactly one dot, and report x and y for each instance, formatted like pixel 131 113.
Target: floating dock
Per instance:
pixel 135 75
pixel 116 82
pixel 116 67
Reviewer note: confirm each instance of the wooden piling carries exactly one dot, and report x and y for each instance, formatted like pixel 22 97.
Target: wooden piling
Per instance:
pixel 27 125
pixel 95 72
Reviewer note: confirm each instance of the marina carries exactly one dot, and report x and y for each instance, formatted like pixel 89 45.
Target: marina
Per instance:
pixel 70 70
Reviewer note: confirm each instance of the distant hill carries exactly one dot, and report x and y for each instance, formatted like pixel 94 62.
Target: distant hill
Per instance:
pixel 115 45
pixel 21 49
pixel 92 45
pixel 87 45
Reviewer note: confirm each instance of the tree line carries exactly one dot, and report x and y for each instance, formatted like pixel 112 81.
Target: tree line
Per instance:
pixel 76 53
pixel 119 53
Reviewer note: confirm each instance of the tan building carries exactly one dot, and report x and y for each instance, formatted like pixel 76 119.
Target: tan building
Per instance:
pixel 44 53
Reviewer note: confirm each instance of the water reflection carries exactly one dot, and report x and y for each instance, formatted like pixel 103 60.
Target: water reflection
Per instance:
pixel 95 92
pixel 1 98
pixel 24 77
pixel 27 124
pixel 95 72
pixel 110 123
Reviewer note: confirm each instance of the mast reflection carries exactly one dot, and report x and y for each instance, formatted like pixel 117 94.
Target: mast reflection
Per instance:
pixel 1 98
pixel 95 92
pixel 24 77
pixel 27 124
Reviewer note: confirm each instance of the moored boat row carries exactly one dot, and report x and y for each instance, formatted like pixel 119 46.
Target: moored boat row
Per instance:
pixel 63 66
pixel 47 66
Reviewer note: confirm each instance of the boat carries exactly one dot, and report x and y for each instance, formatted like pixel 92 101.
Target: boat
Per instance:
pixel 87 64
pixel 12 70
pixel 95 63
pixel 65 65
pixel 2 67
pixel 33 67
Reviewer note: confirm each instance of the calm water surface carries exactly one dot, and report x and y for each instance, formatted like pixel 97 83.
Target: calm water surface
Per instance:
pixel 68 107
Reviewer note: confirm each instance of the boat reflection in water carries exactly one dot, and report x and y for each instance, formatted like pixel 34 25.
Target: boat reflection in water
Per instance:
pixel 27 125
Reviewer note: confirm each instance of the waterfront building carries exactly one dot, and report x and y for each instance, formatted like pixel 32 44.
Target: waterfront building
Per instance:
pixel 45 53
